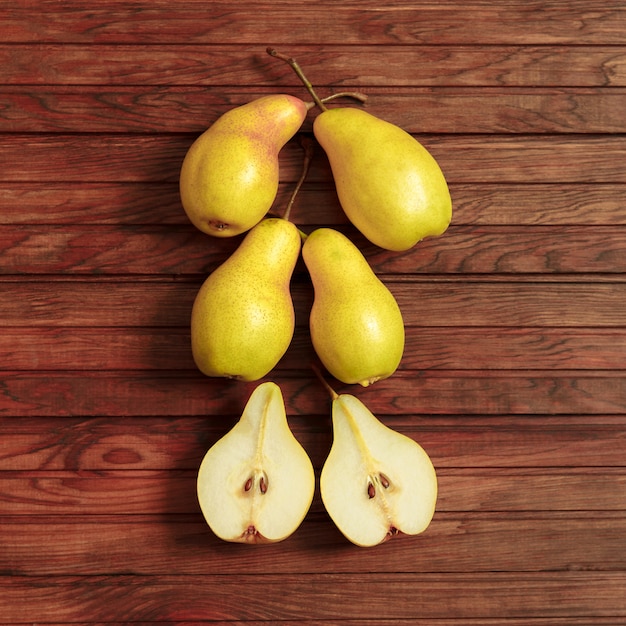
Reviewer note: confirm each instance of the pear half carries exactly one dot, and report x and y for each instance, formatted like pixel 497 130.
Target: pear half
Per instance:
pixel 376 482
pixel 256 484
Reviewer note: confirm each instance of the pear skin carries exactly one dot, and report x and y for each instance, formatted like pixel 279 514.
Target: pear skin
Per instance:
pixel 389 186
pixel 376 482
pixel 229 176
pixel 242 320
pixel 355 323
pixel 255 485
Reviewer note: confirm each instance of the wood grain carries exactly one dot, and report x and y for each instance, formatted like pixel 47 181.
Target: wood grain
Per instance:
pixel 353 22
pixel 175 598
pixel 514 373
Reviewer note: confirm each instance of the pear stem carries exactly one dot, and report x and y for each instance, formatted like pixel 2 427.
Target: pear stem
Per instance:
pixel 309 147
pixel 356 95
pixel 298 70
pixel 331 391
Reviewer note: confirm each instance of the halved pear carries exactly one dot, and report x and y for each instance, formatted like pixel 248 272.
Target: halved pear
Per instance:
pixel 256 484
pixel 376 482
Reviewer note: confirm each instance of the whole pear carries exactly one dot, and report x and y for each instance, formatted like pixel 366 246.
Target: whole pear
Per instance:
pixel 242 320
pixel 229 176
pixel 256 484
pixel 389 186
pixel 356 325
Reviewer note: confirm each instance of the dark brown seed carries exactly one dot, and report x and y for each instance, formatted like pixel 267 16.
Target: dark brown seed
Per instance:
pixel 262 485
pixel 248 485
pixel 371 491
pixel 384 481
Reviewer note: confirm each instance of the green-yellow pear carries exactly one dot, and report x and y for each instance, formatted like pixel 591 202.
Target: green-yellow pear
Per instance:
pixel 355 323
pixel 256 484
pixel 242 320
pixel 229 176
pixel 389 186
pixel 376 482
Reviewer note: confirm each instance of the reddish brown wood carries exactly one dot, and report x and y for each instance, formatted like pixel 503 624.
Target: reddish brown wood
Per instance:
pixel 426 301
pixel 401 66
pixel 493 490
pixel 175 598
pixel 101 445
pixel 425 349
pixel 514 373
pixel 483 542
pixel 352 22
pixel 150 250
pixel 166 393
pixel 465 159
pixel 123 204
pixel 442 110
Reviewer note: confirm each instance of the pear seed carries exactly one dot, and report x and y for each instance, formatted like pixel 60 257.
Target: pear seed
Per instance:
pixel 248 484
pixel 262 485
pixel 371 491
pixel 384 481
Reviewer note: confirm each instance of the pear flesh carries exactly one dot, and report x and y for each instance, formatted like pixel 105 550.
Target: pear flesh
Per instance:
pixel 243 319
pixel 256 484
pixel 356 325
pixel 229 176
pixel 389 186
pixel 375 482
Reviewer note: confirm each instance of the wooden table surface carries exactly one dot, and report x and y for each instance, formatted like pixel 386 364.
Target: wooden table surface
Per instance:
pixel 514 376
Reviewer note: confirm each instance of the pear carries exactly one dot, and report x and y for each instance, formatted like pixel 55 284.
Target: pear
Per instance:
pixel 242 319
pixel 356 325
pixel 229 176
pixel 375 482
pixel 256 484
pixel 388 184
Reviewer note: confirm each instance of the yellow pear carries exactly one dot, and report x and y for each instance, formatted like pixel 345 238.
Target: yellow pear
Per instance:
pixel 356 325
pixel 229 176
pixel 389 186
pixel 242 320
pixel 256 484
pixel 376 482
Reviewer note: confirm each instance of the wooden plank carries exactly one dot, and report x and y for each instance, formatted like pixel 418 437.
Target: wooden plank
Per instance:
pixel 177 444
pixel 162 393
pixel 463 158
pixel 332 66
pixel 49 349
pixel 440 110
pixel 496 490
pixel 57 203
pixel 327 596
pixel 183 546
pixel 153 250
pixel 549 621
pixel 363 22
pixel 431 301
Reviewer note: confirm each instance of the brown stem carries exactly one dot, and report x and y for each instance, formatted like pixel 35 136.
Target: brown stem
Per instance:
pixel 296 68
pixel 356 95
pixel 309 147
pixel 331 391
